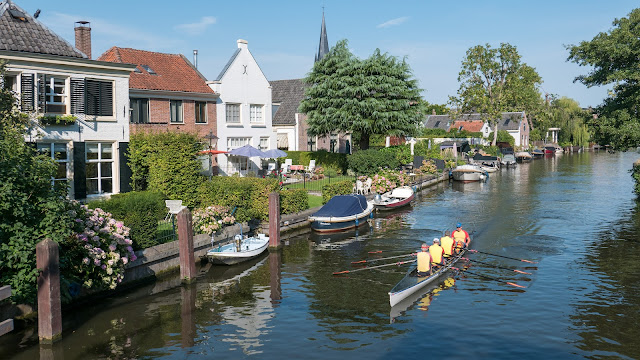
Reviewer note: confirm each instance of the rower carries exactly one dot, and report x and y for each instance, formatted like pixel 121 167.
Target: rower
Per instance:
pixel 424 261
pixel 447 243
pixel 437 252
pixel 461 236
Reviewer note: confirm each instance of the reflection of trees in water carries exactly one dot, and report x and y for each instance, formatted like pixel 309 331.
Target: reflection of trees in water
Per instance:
pixel 608 317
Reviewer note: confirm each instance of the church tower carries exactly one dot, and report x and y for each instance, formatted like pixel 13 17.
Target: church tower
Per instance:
pixel 323 48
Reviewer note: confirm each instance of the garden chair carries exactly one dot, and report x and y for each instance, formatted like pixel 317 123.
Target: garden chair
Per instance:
pixel 272 167
pixel 175 206
pixel 359 187
pixel 311 167
pixel 367 186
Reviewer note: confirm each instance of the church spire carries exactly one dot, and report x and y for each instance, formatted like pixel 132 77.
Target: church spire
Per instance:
pixel 323 49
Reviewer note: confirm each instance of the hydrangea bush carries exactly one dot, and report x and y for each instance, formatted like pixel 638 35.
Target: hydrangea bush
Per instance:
pixel 104 247
pixel 212 218
pixel 387 180
pixel 428 167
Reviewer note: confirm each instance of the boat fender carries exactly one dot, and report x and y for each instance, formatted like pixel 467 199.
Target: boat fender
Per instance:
pixel 357 222
pixel 371 215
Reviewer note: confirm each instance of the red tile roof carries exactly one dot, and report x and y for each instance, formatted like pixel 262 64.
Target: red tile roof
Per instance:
pixel 471 126
pixel 173 71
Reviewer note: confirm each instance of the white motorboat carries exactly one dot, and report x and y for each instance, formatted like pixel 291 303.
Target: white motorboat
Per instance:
pixel 238 250
pixel 469 173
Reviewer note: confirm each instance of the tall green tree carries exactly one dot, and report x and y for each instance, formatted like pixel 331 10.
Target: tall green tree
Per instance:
pixel 566 114
pixel 377 95
pixel 493 81
pixel 613 57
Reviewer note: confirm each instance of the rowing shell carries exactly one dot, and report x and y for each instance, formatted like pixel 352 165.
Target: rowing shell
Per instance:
pixel 412 283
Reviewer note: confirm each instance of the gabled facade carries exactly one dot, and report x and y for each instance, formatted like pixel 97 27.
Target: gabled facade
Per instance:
pixel 472 126
pixel 52 78
pixel 244 112
pixel 517 125
pixel 167 93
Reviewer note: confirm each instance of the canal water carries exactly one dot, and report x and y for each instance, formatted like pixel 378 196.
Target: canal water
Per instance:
pixel 575 215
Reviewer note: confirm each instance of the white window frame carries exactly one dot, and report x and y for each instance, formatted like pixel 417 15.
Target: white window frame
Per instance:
pixel 264 143
pixel 232 116
pixel 237 142
pixel 51 148
pixel 256 114
pixel 196 112
pixel 180 113
pixel 51 94
pixel 99 161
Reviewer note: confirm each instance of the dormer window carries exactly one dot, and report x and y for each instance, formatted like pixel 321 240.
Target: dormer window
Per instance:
pixel 18 15
pixel 148 69
pixel 137 70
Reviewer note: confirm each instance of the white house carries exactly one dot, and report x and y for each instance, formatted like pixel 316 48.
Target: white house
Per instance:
pixel 244 111
pixel 51 78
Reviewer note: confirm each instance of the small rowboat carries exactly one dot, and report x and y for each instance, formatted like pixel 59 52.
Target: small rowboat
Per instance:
pixel 412 282
pixel 239 250
pixel 394 199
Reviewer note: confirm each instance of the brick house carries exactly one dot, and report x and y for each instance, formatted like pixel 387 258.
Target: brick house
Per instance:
pixel 167 93
pixel 50 78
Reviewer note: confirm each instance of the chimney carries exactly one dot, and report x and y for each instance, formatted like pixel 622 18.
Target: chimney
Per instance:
pixel 243 44
pixel 195 58
pixel 433 111
pixel 83 37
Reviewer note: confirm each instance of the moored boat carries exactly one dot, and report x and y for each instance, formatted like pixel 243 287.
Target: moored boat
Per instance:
pixel 411 282
pixel 509 160
pixel 537 153
pixel 342 212
pixel 469 173
pixel 238 250
pixel 523 156
pixel 394 199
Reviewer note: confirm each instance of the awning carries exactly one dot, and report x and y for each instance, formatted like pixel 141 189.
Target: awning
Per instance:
pixel 283 141
pixel 211 152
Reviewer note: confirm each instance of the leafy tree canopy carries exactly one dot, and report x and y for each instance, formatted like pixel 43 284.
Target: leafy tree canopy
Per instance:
pixel 613 57
pixel 493 81
pixel 377 95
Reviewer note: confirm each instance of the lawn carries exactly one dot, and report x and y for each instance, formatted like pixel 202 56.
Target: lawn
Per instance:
pixel 318 184
pixel 314 201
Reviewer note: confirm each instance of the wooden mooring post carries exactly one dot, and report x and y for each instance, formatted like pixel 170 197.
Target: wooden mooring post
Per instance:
pixel 7 325
pixel 49 308
pixel 274 220
pixel 185 244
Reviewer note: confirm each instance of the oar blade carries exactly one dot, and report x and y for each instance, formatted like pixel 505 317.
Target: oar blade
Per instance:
pixel 359 262
pixel 341 272
pixel 522 272
pixel 516 285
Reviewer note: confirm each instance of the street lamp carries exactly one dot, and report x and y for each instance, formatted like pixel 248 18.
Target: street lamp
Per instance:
pixel 213 140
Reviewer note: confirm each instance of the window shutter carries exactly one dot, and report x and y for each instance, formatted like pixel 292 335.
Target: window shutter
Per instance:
pixel 92 94
pixel 125 170
pixel 79 171
pixel 27 92
pixel 106 98
pixel 77 96
pixel 42 90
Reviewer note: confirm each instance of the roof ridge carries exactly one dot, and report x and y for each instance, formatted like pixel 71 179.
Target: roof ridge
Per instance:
pixel 147 51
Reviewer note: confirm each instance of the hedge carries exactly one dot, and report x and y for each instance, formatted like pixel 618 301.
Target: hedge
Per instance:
pixel 338 188
pixel 368 162
pixel 140 211
pixel 322 157
pixel 249 196
pixel 293 201
pixel 166 163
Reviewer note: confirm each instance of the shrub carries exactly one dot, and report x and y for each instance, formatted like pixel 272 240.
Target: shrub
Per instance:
pixel 421 148
pixel 427 167
pixel 504 136
pixel 140 211
pixel 368 162
pixel 337 188
pixel 402 153
pixel 387 180
pixel 99 250
pixel 248 196
pixel 293 201
pixel 322 157
pixel 211 219
pixel 166 163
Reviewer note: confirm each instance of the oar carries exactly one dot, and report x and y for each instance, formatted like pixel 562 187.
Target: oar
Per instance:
pixel 498 267
pixel 385 258
pixel 506 257
pixel 375 252
pixel 489 277
pixel 373 267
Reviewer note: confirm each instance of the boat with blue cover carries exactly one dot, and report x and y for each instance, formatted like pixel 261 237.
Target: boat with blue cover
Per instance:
pixel 342 212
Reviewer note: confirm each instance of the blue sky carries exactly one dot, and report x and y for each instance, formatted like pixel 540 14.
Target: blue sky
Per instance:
pixel 283 35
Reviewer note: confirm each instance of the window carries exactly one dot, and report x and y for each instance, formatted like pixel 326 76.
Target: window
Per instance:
pixel 333 142
pixel 55 94
pixel 274 109
pixel 311 143
pixel 99 167
pixel 201 112
pixel 9 82
pixel 149 69
pixel 264 143
pixel 256 114
pixel 176 111
pixel 233 113
pixel 59 154
pixel 98 97
pixel 237 142
pixel 139 111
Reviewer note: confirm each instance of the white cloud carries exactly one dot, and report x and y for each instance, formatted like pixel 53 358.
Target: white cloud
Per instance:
pixel 198 27
pixel 393 22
